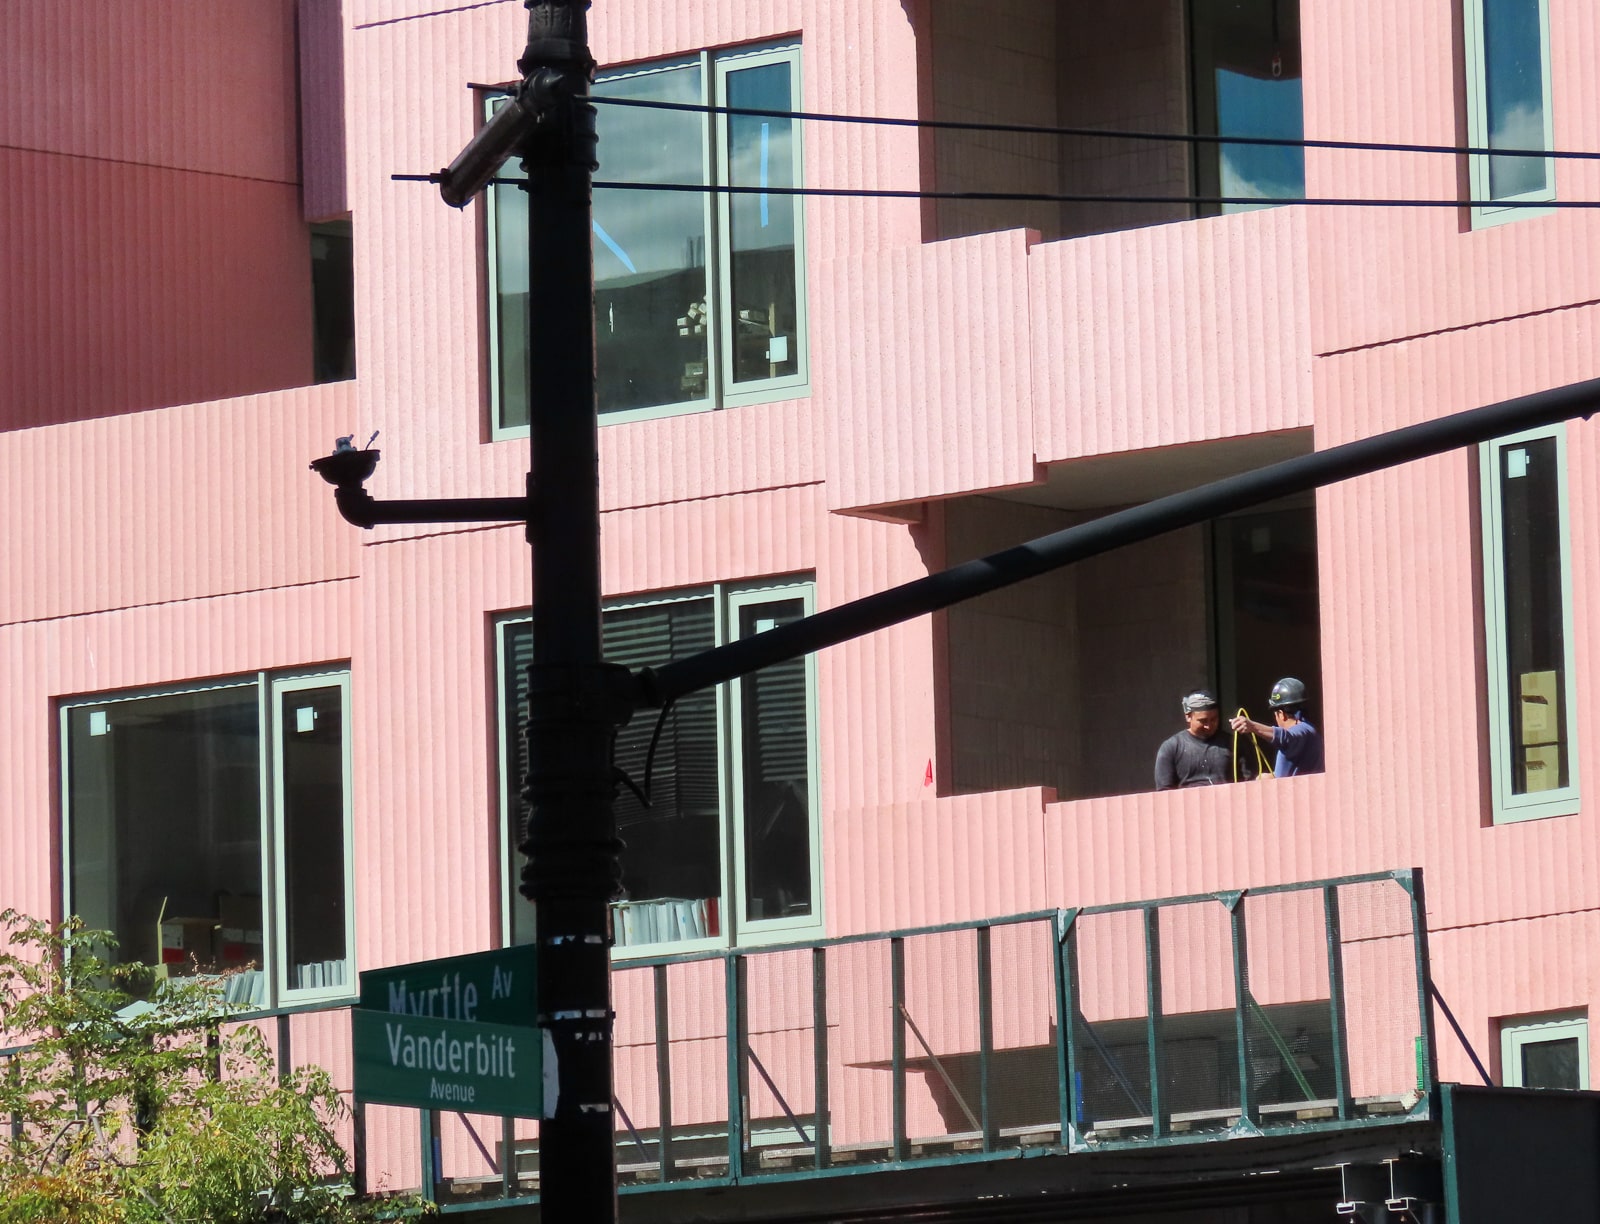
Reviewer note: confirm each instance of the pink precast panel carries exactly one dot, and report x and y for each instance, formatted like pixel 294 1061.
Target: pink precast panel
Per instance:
pixel 427 837
pixel 1400 610
pixel 1511 969
pixel 943 403
pixel 206 499
pixel 41 661
pixel 1170 334
pixel 1196 958
pixel 192 287
pixel 877 705
pixel 187 84
pixel 1384 274
pixel 940 860
pixel 1201 840
pixel 324 187
pixel 716 539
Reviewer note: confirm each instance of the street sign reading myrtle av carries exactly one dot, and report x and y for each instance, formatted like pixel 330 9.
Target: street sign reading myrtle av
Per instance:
pixel 457 1033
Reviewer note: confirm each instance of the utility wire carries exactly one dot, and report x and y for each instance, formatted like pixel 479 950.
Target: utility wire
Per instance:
pixel 1028 129
pixel 1038 197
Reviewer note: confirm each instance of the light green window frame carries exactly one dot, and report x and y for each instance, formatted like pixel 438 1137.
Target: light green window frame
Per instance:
pixel 1507 45
pixel 289 823
pixel 767 786
pixel 677 375
pixel 1528 625
pixel 1543 1048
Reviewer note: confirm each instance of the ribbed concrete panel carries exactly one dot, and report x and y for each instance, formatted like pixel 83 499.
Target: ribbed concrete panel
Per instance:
pixel 878 713
pixel 426 803
pixel 940 860
pixel 150 301
pixel 710 454
pixel 1170 334
pixel 1388 273
pixel 1398 549
pixel 207 499
pixel 323 187
pixel 134 648
pixel 943 403
pixel 1511 969
pixel 722 539
pixel 190 84
pixel 1172 843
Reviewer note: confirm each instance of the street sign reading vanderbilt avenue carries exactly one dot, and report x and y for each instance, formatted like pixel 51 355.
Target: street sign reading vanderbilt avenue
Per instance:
pixel 457 1033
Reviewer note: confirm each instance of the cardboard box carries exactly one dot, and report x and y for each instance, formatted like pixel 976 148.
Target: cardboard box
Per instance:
pixel 186 943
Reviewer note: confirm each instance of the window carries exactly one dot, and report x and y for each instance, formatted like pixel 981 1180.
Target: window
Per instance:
pixel 1545 1052
pixel 1528 624
pixel 733 790
pixel 1247 83
pixel 185 809
pixel 333 302
pixel 699 296
pixel 1508 103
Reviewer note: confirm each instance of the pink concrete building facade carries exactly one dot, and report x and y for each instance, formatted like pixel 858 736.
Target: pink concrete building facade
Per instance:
pixel 230 717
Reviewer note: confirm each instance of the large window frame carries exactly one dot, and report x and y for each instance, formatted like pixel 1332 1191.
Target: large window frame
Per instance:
pixel 722 388
pixel 1481 171
pixel 1518 1035
pixel 737 927
pixel 272 985
pixel 1514 798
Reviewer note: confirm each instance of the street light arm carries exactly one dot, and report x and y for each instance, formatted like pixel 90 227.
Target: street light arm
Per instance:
pixel 347 470
pixel 677 679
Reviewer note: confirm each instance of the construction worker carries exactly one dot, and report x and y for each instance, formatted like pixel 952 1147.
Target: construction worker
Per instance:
pixel 1298 743
pixel 1195 756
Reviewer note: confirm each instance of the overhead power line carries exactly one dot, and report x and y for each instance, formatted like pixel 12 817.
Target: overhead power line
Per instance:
pixel 1040 197
pixel 1030 129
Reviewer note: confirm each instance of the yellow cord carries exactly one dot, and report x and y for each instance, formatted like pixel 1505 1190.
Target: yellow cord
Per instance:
pixel 1262 768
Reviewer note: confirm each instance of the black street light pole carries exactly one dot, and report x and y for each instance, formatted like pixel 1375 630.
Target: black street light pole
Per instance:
pixel 575 701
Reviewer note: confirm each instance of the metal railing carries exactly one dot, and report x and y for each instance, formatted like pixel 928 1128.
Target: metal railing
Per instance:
pixel 1099 1028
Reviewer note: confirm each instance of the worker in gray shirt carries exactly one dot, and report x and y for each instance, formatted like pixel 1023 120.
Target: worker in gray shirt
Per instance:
pixel 1196 756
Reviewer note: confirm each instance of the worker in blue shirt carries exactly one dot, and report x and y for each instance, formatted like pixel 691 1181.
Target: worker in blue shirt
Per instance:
pixel 1298 743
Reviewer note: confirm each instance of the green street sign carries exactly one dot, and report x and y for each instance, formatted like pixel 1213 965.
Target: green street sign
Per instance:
pixel 430 1063
pixel 458 1033
pixel 495 987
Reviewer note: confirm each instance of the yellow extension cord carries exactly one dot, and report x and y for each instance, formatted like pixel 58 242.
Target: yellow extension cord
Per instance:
pixel 1263 770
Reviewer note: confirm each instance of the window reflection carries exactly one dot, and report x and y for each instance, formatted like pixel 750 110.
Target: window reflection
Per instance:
pixel 1247 82
pixel 761 154
pixel 650 247
pixel 1514 95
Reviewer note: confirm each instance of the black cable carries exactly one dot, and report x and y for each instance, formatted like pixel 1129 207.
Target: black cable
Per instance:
pixel 1040 197
pixel 621 775
pixel 1029 129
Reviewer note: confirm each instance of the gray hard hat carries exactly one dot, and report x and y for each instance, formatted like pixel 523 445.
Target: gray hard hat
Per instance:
pixel 1287 694
pixel 1200 699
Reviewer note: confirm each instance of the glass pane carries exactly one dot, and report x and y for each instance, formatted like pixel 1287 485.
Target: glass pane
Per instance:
pixel 762 260
pixel 776 751
pixel 1513 85
pixel 672 850
pixel 1535 647
pixel 164 813
pixel 650 247
pixel 1551 1064
pixel 1247 83
pixel 311 724
pixel 510 255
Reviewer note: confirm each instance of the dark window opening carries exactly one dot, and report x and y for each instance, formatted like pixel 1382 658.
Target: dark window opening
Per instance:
pixel 333 302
